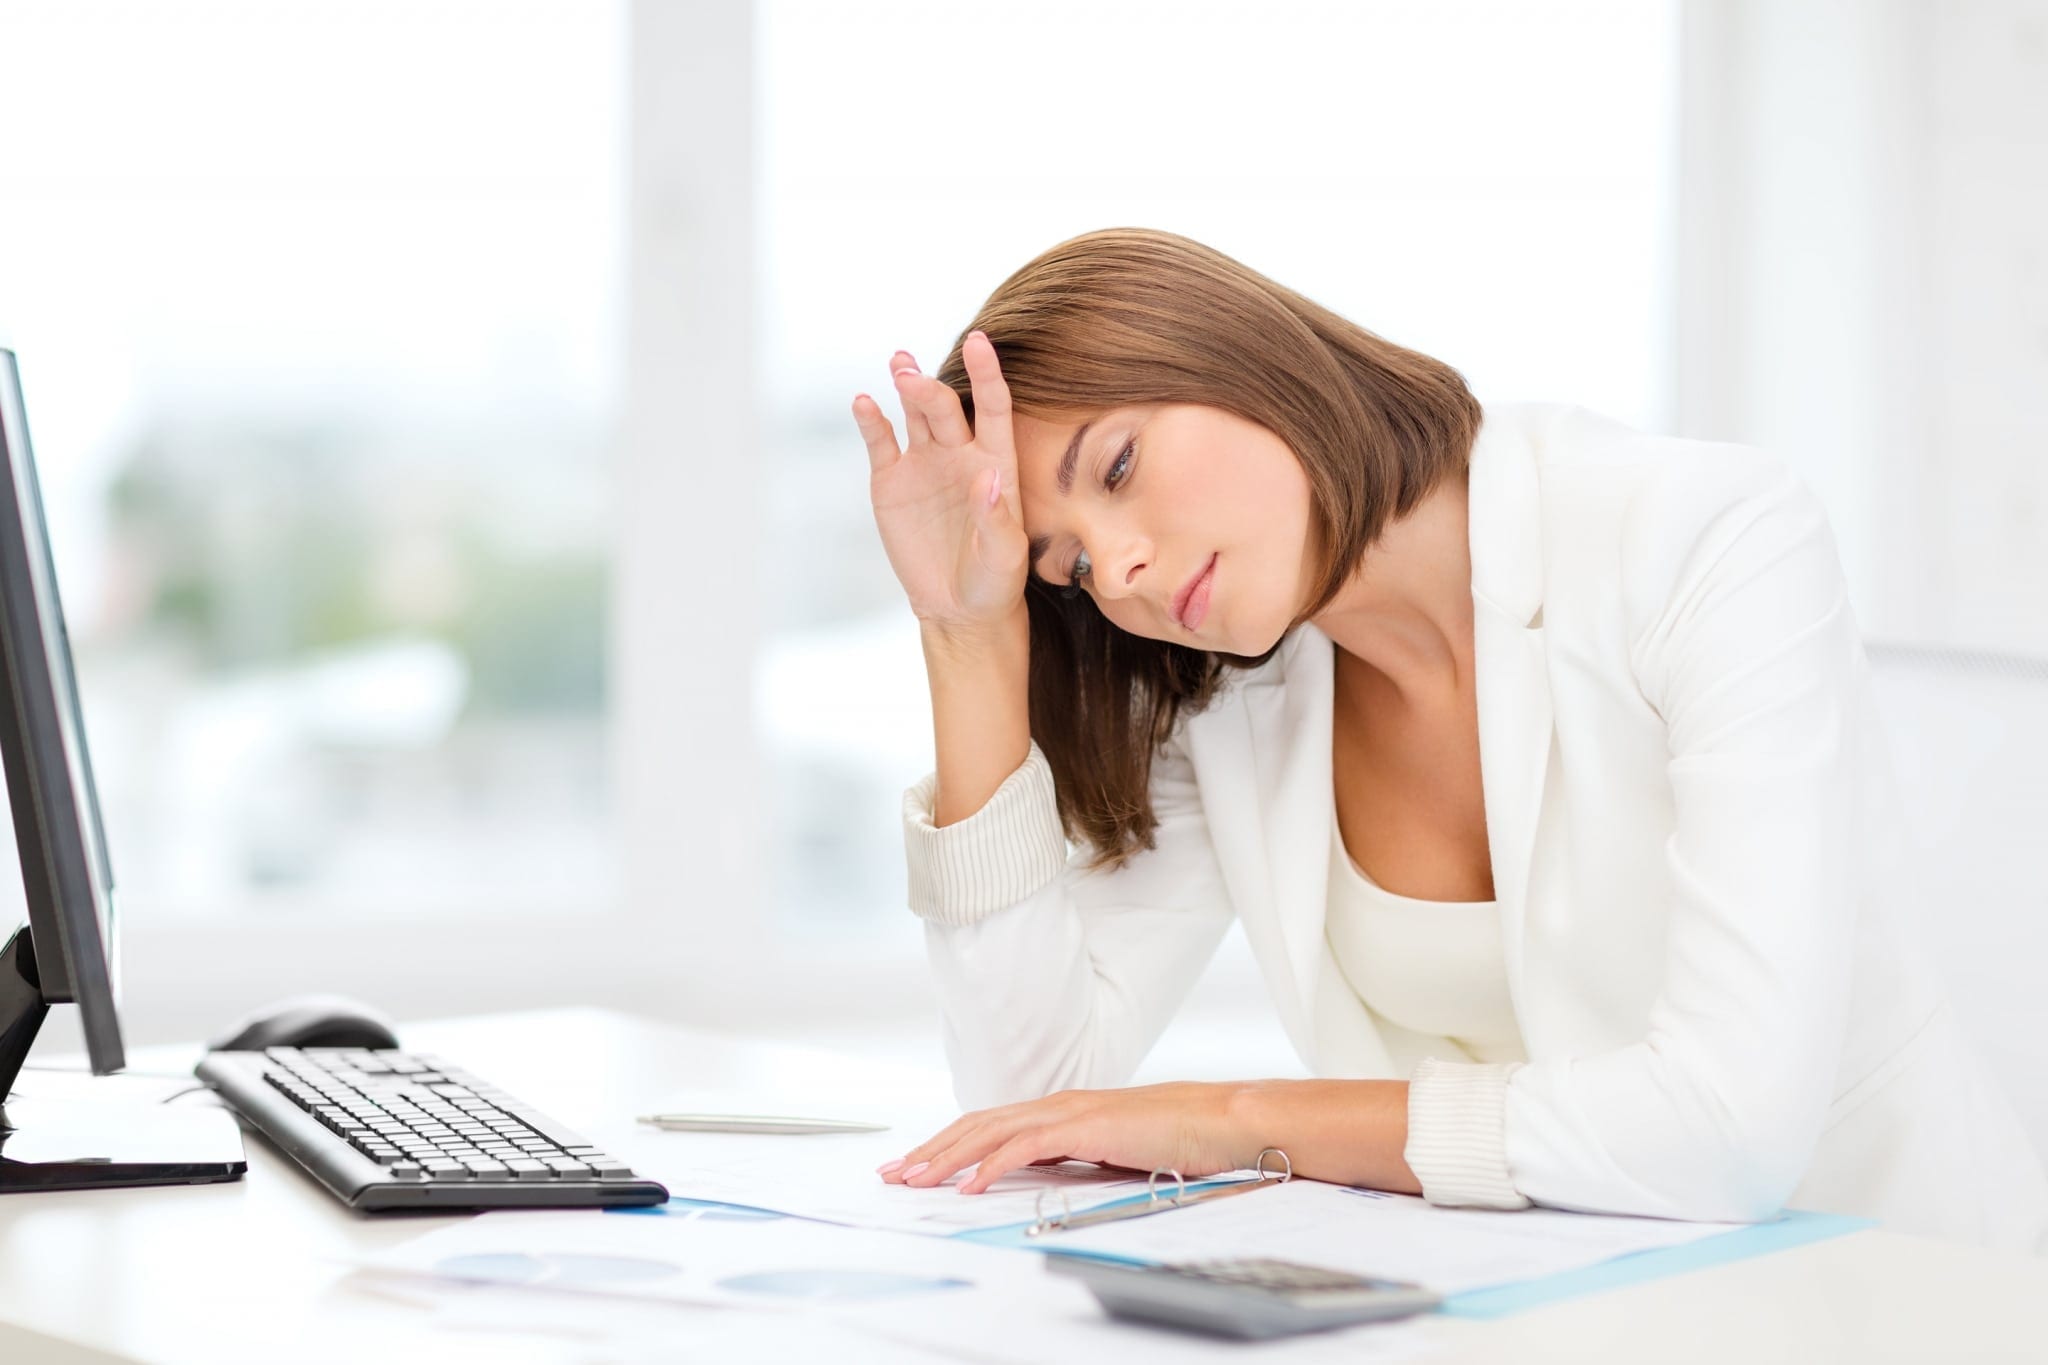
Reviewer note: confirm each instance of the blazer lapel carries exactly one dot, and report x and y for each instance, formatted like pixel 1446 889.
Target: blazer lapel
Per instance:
pixel 1263 763
pixel 1510 667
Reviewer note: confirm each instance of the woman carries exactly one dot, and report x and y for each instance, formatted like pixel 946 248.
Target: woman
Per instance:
pixel 1535 754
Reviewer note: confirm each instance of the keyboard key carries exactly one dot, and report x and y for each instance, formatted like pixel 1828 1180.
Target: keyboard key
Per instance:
pixel 526 1169
pixel 445 1169
pixel 543 1125
pixel 568 1168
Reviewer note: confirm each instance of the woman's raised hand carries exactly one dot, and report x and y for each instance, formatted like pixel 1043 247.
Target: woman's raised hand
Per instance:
pixel 947 504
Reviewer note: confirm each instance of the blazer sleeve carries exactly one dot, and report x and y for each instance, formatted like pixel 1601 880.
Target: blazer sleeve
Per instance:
pixel 1744 642
pixel 1052 976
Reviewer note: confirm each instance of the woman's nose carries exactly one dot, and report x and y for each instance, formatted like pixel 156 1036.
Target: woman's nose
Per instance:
pixel 1118 573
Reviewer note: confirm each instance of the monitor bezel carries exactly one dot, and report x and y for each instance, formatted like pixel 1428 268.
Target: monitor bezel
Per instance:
pixel 66 875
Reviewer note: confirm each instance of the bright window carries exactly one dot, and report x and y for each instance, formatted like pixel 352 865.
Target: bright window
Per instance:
pixel 317 320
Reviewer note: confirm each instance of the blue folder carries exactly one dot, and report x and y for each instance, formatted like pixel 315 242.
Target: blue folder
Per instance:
pixel 1791 1228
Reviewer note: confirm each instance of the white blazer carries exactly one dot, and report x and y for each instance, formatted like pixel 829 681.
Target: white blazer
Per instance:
pixel 1692 827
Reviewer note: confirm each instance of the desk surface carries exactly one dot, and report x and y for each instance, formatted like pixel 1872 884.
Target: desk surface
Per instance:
pixel 258 1269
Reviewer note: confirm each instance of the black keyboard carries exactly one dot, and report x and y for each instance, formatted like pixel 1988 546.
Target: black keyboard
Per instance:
pixel 399 1130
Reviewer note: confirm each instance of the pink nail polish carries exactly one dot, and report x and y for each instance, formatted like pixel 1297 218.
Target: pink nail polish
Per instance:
pixel 889 1166
pixel 918 1169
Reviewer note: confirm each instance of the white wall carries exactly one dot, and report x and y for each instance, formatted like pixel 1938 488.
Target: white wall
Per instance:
pixel 1864 287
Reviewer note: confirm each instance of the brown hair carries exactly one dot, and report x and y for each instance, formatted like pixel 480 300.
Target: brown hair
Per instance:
pixel 1129 316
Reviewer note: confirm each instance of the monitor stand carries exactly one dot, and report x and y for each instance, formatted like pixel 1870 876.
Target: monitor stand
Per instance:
pixel 59 1135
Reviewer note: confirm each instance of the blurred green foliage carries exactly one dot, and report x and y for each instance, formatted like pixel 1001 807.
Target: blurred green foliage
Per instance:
pixel 250 545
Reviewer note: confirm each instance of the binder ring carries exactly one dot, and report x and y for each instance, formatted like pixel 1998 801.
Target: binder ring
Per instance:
pixel 1041 1224
pixel 1179 1181
pixel 1285 1174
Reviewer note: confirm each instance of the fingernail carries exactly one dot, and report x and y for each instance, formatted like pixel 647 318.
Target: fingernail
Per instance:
pixel 995 488
pixel 909 360
pixel 889 1166
pixel 918 1169
pixel 982 335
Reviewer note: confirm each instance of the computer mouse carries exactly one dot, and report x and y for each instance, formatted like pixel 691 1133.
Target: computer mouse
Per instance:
pixel 309 1021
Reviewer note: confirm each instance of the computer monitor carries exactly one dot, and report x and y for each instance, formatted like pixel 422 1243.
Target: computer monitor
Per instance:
pixel 58 835
pixel 67 952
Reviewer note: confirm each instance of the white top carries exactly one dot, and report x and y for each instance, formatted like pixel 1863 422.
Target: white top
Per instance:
pixel 1434 968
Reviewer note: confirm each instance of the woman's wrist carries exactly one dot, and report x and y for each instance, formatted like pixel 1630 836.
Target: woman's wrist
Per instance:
pixel 1345 1132
pixel 972 643
pixel 981 724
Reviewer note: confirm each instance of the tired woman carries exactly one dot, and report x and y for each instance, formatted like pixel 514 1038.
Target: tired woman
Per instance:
pixel 1535 754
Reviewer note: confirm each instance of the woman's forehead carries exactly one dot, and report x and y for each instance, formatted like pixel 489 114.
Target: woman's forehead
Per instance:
pixel 1048 431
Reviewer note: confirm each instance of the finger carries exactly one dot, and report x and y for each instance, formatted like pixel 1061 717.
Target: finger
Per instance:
pixel 1021 1150
pixel 991 400
pixel 916 431
pixel 970 1147
pixel 998 540
pixel 932 1146
pixel 938 405
pixel 876 431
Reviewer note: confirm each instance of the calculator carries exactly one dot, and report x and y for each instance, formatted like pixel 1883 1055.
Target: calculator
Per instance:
pixel 1247 1298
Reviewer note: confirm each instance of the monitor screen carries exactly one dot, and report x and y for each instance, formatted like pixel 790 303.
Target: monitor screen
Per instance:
pixel 66 872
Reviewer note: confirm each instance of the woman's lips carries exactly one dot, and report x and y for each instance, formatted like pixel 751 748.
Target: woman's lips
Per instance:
pixel 1191 603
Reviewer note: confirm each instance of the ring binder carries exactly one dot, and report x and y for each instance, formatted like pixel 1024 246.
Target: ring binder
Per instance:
pixel 1067 1219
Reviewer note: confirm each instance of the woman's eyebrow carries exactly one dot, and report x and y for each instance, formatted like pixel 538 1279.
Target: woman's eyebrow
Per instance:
pixel 1065 477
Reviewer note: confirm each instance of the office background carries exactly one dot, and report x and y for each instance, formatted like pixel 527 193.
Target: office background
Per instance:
pixel 443 407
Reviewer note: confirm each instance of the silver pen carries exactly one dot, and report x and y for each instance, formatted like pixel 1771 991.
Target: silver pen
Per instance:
pixel 756 1123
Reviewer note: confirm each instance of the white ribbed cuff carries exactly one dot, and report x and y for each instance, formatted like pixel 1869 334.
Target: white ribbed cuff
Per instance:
pixel 1457 1135
pixel 1002 854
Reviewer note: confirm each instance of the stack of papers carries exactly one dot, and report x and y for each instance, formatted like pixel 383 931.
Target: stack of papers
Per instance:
pixel 694 1280
pixel 796 1247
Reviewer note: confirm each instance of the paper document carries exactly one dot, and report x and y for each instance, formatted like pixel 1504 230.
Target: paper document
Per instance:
pixel 731 1278
pixel 1395 1236
pixel 707 1257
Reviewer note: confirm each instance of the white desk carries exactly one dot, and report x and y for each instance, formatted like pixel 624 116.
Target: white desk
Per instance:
pixel 255 1270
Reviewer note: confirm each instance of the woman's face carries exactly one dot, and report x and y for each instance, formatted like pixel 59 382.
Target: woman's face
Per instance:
pixel 1185 523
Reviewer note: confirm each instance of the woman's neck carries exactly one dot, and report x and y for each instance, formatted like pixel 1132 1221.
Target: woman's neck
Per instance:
pixel 1406 611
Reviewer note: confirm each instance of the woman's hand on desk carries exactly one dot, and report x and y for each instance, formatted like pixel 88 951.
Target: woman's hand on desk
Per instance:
pixel 1186 1126
pixel 1351 1132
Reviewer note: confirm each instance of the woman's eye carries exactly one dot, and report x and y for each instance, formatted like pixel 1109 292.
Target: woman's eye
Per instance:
pixel 1117 473
pixel 1076 574
pixel 1122 468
